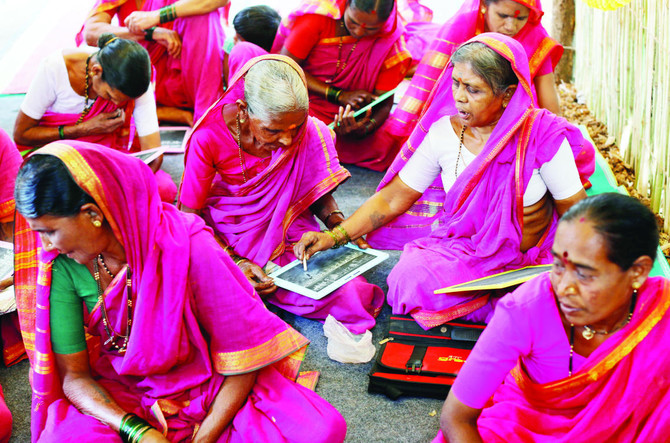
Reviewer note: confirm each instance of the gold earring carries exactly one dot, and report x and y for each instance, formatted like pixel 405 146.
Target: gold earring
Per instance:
pixel 636 285
pixel 97 223
pixel 483 10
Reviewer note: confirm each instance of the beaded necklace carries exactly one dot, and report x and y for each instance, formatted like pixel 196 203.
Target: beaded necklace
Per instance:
pixel 113 337
pixel 339 66
pixel 588 333
pixel 87 107
pixel 239 148
pixel 460 147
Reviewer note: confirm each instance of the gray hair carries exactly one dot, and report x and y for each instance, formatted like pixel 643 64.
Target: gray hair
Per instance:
pixel 274 87
pixel 492 67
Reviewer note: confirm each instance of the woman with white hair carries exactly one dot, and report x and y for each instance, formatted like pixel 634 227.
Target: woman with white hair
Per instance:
pixel 259 169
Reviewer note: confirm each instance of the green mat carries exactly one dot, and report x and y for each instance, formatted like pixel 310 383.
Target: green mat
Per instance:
pixel 603 181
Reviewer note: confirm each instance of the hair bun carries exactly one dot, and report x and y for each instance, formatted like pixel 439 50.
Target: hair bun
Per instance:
pixel 105 39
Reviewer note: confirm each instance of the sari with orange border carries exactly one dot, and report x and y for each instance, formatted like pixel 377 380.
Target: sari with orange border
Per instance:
pixel 620 393
pixel 365 59
pixel 465 24
pixel 187 333
pixel 13 350
pixel 262 218
pixel 477 229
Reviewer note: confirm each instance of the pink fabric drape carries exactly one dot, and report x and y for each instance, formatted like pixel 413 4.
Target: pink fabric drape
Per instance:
pixel 195 317
pixel 479 226
pixel 262 218
pixel 361 61
pixel 465 24
pixel 195 79
pixel 621 393
pixel 10 161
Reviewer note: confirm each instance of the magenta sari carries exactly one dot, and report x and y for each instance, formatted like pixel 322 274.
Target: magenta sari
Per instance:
pixel 468 22
pixel 10 161
pixel 182 82
pixel 187 331
pixel 365 59
pixel 621 393
pixel 477 229
pixel 262 218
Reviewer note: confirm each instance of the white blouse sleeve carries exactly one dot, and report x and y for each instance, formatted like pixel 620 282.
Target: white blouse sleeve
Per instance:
pixel 146 120
pixel 560 174
pixel 423 167
pixel 41 94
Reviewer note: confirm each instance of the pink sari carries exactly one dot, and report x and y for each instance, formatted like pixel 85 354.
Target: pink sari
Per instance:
pixel 206 330
pixel 477 229
pixel 365 59
pixel 10 161
pixel 468 22
pixel 182 82
pixel 262 218
pixel 621 393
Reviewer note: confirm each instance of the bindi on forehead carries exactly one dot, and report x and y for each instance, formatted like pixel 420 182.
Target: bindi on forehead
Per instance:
pixel 293 126
pixel 517 13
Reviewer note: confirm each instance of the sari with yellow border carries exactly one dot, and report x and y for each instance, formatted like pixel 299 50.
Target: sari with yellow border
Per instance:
pixel 477 229
pixel 187 333
pixel 262 218
pixel 621 392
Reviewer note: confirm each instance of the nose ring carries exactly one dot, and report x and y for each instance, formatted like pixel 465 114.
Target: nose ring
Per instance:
pixel 570 291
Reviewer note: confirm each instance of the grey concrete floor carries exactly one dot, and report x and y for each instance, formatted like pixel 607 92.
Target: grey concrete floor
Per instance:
pixel 370 417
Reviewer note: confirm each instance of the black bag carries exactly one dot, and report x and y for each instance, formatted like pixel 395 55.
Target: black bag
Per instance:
pixel 415 362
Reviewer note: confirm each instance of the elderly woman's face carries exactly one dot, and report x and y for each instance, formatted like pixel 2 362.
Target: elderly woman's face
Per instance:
pixel 476 103
pixel 104 90
pixel 361 24
pixel 277 132
pixel 506 17
pixel 75 237
pixel 589 288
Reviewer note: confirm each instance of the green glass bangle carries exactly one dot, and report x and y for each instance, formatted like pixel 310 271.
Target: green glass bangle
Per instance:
pixel 132 428
pixel 334 237
pixel 332 93
pixel 149 34
pixel 61 132
pixel 344 232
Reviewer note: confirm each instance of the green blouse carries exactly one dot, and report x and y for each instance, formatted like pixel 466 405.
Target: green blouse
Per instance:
pixel 71 283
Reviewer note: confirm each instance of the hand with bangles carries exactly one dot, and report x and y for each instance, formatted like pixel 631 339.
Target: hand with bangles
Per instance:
pixel 356 99
pixel 347 124
pixel 138 21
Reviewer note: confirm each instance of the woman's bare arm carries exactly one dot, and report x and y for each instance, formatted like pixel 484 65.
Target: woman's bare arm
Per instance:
pixel 388 203
pixel 547 95
pixel 231 397
pixel 459 422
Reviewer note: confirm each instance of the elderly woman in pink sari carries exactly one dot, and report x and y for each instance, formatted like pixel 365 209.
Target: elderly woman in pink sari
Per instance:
pixel 259 170
pixel 181 36
pixel 509 169
pixel 138 326
pixel 351 51
pixel 585 343
pixel 103 97
pixel 519 19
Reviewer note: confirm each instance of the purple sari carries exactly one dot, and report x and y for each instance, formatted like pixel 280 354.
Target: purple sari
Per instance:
pixel 262 218
pixel 186 334
pixel 477 230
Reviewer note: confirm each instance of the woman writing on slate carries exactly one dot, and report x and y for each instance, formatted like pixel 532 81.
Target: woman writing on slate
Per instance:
pixel 509 170
pixel 260 171
pixel 585 343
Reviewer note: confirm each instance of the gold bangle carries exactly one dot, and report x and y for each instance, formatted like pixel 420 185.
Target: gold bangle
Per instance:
pixel 344 232
pixel 334 237
pixel 336 211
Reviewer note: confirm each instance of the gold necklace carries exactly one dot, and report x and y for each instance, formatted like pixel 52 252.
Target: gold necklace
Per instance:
pixel 239 148
pixel 460 146
pixel 113 337
pixel 339 70
pixel 87 108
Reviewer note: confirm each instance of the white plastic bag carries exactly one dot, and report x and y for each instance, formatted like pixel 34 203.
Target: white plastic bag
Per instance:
pixel 345 347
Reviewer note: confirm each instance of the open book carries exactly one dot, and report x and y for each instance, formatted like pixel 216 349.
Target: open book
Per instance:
pixel 498 281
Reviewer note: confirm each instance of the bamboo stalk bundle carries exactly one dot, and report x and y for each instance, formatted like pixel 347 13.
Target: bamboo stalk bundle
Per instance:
pixel 622 68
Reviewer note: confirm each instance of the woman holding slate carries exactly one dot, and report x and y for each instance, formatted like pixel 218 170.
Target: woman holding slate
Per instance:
pixel 352 51
pixel 509 169
pixel 260 170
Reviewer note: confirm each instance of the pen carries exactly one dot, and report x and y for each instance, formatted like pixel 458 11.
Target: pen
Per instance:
pixel 304 263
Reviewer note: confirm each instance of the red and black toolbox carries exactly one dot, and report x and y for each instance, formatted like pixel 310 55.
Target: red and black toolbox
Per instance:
pixel 415 362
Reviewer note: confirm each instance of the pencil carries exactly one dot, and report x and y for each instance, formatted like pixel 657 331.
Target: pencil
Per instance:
pixel 304 263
